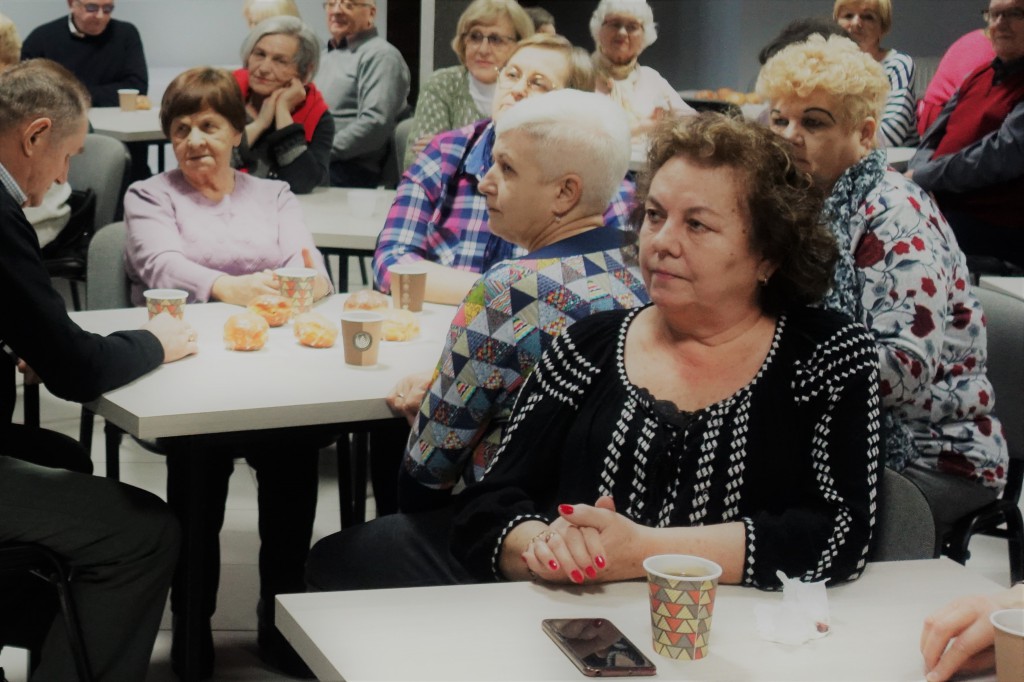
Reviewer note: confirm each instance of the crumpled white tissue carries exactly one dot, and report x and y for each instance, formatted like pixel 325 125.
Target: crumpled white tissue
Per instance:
pixel 801 617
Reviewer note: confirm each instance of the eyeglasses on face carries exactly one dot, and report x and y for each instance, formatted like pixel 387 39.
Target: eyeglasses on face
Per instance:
pixel 632 27
pixel 477 38
pixel 277 62
pixel 510 77
pixel 1013 14
pixel 346 5
pixel 95 8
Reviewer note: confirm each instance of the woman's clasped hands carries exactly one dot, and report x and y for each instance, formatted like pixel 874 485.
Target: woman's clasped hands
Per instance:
pixel 586 543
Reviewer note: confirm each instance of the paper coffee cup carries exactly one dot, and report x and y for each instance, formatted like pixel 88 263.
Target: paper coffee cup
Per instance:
pixel 408 285
pixel 166 301
pixel 128 99
pixel 1009 635
pixel 361 335
pixel 297 286
pixel 682 598
pixel 361 202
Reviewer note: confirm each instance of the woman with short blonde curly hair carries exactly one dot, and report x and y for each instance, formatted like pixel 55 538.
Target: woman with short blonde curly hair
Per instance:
pixel 900 271
pixel 10 43
pixel 867 22
pixel 837 67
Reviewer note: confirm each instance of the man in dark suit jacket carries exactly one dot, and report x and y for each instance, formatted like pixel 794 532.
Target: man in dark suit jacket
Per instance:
pixel 121 542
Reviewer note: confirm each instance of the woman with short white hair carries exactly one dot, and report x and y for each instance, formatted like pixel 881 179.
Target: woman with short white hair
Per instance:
pixel 558 161
pixel 622 29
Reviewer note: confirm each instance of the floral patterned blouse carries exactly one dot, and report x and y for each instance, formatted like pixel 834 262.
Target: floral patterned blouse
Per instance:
pixel 916 299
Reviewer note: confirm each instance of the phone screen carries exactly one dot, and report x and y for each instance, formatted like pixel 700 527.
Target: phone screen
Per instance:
pixel 597 647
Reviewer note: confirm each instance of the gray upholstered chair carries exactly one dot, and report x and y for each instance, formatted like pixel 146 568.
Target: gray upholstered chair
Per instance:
pixel 1002 518
pixel 104 166
pixel 905 527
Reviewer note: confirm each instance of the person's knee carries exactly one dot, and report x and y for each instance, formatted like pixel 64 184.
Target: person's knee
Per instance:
pixel 151 531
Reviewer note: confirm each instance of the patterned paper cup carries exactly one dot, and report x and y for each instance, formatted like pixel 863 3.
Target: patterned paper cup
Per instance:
pixel 297 286
pixel 682 598
pixel 166 300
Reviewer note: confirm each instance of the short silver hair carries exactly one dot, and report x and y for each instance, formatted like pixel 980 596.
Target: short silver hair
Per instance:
pixel 634 8
pixel 307 57
pixel 576 132
pixel 40 88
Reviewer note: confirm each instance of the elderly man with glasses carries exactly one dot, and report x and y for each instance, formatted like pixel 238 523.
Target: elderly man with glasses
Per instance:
pixel 104 53
pixel 972 157
pixel 365 82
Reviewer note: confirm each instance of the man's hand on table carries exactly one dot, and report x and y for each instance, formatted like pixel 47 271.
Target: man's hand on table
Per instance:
pixel 177 337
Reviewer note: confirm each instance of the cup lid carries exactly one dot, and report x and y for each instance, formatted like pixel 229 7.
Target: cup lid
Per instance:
pixel 1010 621
pixel 682 567
pixel 165 293
pixel 295 272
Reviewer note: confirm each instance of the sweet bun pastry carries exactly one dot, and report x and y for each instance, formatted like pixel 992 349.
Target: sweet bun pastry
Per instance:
pixel 315 330
pixel 276 310
pixel 245 331
pixel 400 325
pixel 367 299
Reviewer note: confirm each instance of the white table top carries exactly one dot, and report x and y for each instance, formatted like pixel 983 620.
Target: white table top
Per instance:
pixel 128 126
pixel 492 632
pixel 1014 286
pixel 334 225
pixel 284 384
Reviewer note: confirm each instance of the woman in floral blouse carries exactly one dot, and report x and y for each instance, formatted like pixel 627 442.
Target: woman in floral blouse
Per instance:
pixel 900 272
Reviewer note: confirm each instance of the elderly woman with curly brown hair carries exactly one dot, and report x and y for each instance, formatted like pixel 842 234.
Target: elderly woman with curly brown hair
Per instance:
pixel 900 272
pixel 728 419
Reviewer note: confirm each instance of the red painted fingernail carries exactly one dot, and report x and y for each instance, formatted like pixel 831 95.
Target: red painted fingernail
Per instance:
pixel 576 576
pixel 565 509
pixel 591 573
pixel 553 565
pixel 599 560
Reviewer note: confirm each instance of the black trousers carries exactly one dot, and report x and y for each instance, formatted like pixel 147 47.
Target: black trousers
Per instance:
pixel 400 550
pixel 121 543
pixel 286 475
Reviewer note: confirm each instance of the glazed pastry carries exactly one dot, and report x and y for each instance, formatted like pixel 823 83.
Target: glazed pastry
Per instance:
pixel 315 330
pixel 276 310
pixel 400 325
pixel 245 331
pixel 367 299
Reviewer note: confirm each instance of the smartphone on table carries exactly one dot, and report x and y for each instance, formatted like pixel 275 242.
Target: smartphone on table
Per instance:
pixel 597 647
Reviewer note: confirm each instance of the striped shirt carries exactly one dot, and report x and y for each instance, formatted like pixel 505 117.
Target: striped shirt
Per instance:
pixel 899 118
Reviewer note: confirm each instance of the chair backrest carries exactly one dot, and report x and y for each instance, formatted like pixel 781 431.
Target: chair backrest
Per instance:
pixel 1005 366
pixel 394 160
pixel 905 527
pixel 103 166
pixel 106 281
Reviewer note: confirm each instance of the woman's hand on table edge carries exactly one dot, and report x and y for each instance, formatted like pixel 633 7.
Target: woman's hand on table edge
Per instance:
pixel 407 395
pixel 576 546
pixel 240 289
